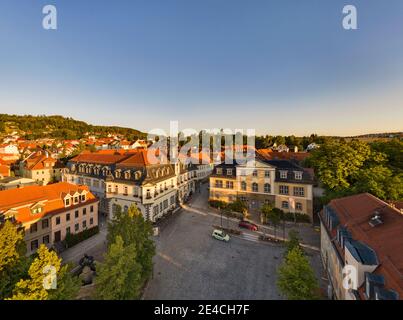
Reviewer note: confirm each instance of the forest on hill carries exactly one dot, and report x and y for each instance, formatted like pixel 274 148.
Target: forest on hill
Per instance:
pixel 35 127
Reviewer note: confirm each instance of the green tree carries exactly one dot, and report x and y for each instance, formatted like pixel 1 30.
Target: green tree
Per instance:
pixel 237 206
pixel 296 279
pixel 274 217
pixel 119 277
pixel 39 273
pixel 335 162
pixel 394 152
pixel 68 286
pixel 293 241
pixel 134 229
pixel 13 263
pixel 380 181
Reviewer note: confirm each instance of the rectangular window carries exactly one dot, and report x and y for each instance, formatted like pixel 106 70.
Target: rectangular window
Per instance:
pixel 229 184
pixel 68 231
pixel 84 224
pixel 45 239
pixel 45 224
pixel 218 183
pixel 91 221
pixel 34 245
pixel 298 175
pixel 298 206
pixel 84 211
pixel 92 209
pixel 284 205
pixel 218 170
pixel 283 189
pixel 255 173
pixel 299 191
pixel 267 174
pixel 57 220
pixel 68 217
pixel 229 172
pixel 76 227
pixel 283 174
pixel 33 228
pixel 76 214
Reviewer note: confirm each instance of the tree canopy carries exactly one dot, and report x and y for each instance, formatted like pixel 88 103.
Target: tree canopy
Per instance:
pixel 59 127
pixel 296 279
pixel 130 244
pixel 47 279
pixel 119 277
pixel 346 168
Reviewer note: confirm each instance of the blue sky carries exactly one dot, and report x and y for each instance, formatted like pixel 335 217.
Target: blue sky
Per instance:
pixel 281 67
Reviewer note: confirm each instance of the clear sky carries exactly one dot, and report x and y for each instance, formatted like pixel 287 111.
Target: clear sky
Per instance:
pixel 281 67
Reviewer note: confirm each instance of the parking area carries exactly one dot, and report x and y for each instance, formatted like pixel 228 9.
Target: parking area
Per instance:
pixel 190 264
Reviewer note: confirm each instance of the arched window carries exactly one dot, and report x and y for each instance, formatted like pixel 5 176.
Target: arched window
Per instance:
pixel 267 188
pixel 243 185
pixel 255 187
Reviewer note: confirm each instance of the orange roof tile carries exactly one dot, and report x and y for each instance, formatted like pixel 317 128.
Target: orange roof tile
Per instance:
pixel 50 195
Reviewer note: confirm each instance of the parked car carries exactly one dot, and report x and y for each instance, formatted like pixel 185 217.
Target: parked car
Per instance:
pixel 220 235
pixel 248 225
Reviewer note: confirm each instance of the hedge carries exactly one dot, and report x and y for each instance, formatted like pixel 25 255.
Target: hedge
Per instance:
pixel 300 217
pixel 217 204
pixel 72 239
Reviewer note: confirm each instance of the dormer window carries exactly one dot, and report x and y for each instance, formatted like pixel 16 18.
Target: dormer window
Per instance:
pixel 75 201
pixel 219 170
pixel 117 173
pixel 298 175
pixel 127 175
pixel 283 174
pixel 36 210
pixel 82 198
pixel 67 202
pixel 229 172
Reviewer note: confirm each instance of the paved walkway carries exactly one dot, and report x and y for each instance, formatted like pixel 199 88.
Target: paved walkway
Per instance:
pixel 94 246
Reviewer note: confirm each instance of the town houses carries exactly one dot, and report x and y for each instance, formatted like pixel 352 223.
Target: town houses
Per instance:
pixel 282 183
pixel 128 178
pixel 361 237
pixel 48 213
pixel 41 167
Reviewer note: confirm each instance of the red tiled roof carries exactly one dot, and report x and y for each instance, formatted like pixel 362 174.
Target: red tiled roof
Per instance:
pixel 4 170
pixel 51 195
pixel 354 212
pixel 269 154
pixel 39 160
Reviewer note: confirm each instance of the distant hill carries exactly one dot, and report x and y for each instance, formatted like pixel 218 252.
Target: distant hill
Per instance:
pixel 371 137
pixel 381 135
pixel 35 127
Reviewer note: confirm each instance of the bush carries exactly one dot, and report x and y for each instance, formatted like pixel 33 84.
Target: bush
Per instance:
pixel 237 206
pixel 217 204
pixel 72 239
pixel 300 217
